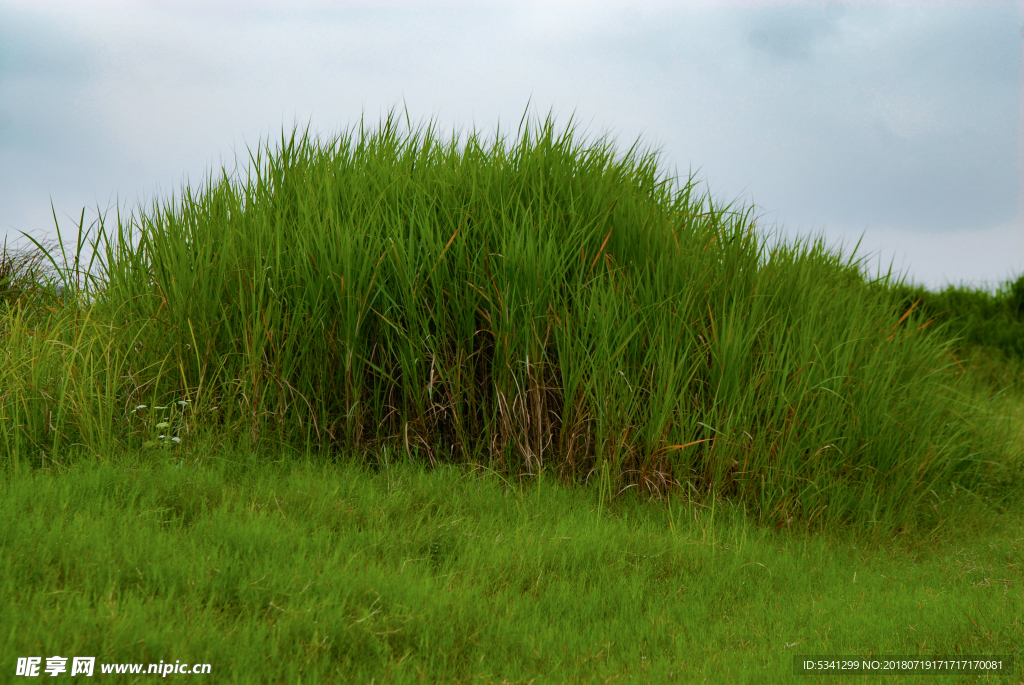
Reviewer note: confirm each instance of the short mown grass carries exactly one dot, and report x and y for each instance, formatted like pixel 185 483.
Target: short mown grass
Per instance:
pixel 396 409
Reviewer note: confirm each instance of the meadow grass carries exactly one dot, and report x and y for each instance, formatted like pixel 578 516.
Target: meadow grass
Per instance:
pixel 288 568
pixel 393 409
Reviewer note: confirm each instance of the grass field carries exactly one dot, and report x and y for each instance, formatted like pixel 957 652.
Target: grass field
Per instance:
pixel 395 410
pixel 300 570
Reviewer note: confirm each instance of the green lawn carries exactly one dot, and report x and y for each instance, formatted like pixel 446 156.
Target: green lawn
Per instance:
pixel 304 570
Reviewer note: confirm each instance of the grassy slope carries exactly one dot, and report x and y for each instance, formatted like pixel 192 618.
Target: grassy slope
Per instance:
pixel 541 306
pixel 579 342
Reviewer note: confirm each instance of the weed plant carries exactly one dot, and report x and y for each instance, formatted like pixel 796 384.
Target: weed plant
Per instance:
pixel 982 319
pixel 988 346
pixel 545 306
pixel 20 272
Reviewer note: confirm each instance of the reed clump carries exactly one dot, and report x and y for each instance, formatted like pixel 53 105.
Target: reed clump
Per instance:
pixel 546 305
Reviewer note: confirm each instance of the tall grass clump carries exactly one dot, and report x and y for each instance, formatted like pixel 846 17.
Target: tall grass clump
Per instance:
pixel 541 305
pixel 980 317
pixel 988 328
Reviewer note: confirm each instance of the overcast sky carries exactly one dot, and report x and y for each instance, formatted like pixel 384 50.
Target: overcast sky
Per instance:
pixel 899 121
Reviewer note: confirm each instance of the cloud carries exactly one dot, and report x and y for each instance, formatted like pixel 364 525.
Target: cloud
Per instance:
pixel 34 48
pixel 791 33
